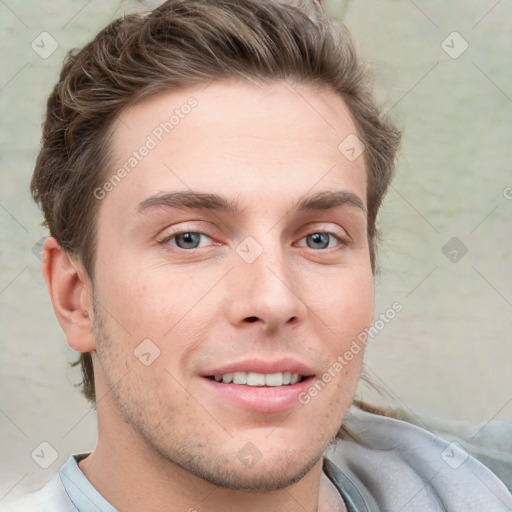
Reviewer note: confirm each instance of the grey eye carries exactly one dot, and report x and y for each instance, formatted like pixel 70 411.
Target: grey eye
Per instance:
pixel 318 240
pixel 188 240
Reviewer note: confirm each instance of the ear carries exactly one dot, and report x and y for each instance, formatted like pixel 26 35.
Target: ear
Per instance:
pixel 71 294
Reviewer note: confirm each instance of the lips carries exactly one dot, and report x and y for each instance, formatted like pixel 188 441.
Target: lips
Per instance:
pixel 258 385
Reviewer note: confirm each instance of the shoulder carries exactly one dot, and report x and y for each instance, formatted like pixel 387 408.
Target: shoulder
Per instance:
pixel 397 465
pixel 50 497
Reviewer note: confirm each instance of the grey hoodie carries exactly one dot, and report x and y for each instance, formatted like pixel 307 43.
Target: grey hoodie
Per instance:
pixel 401 467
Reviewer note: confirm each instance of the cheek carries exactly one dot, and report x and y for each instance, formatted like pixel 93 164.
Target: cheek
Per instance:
pixel 168 310
pixel 143 304
pixel 346 305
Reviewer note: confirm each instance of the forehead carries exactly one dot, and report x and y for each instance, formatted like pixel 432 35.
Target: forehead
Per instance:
pixel 230 135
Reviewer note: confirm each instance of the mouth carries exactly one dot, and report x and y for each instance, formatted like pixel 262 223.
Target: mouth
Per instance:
pixel 259 385
pixel 255 379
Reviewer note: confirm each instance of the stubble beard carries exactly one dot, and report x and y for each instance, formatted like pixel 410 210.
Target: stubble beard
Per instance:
pixel 190 452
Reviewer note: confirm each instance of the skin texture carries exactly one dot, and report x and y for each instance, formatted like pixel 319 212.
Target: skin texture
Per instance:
pixel 166 440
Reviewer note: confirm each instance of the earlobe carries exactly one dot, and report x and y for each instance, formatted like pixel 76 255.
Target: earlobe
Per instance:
pixel 71 295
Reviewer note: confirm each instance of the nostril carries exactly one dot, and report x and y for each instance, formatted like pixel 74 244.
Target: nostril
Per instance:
pixel 252 319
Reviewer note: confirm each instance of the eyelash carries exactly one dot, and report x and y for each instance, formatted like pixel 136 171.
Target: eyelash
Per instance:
pixel 168 238
pixel 165 241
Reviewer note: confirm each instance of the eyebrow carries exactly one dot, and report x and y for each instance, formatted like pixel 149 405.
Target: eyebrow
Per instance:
pixel 329 199
pixel 190 199
pixel 201 201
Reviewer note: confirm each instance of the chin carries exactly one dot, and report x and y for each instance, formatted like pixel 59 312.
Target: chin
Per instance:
pixel 278 472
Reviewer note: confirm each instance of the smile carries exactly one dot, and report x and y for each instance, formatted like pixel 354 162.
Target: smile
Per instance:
pixel 259 379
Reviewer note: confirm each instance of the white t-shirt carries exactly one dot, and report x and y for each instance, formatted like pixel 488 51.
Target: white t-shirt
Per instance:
pixel 396 466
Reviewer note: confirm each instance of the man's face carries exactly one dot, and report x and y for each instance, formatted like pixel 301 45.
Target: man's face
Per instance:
pixel 235 248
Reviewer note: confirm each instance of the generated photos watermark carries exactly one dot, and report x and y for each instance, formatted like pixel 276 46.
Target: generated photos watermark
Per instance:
pixel 355 347
pixel 151 141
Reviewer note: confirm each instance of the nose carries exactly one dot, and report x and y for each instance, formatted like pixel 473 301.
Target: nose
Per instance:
pixel 266 292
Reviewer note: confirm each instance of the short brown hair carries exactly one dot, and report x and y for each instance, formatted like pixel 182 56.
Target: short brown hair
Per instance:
pixel 181 44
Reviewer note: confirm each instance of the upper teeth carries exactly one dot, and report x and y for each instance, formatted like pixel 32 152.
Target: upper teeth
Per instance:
pixel 259 379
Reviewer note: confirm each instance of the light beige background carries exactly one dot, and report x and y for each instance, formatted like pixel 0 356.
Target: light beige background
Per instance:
pixel 447 353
